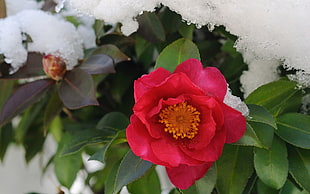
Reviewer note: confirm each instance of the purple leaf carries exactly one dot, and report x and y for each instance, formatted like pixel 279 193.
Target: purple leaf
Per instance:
pixel 112 51
pixel 32 68
pixel 77 89
pixel 23 97
pixel 98 64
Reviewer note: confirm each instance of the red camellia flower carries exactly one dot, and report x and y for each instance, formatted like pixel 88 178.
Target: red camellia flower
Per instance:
pixel 181 122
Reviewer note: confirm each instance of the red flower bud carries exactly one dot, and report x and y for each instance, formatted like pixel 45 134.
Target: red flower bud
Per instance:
pixel 54 67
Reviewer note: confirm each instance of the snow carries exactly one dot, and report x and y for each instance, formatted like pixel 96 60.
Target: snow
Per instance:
pixel 49 35
pixel 236 103
pixel 273 32
pixel 15 6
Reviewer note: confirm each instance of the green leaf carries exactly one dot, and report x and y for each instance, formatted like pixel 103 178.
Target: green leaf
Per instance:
pixel 151 28
pixel 101 153
pixel 52 110
pixel 28 118
pixel 131 168
pixel 187 30
pixel 114 121
pixel 6 136
pixel 177 52
pixel 98 64
pixel 249 138
pixel 80 139
pixel 145 51
pixel 299 166
pixel 112 51
pixel 169 17
pixel 260 128
pixel 290 188
pixel 149 183
pixel 272 165
pixel 206 184
pixel 277 97
pixel 22 98
pixel 66 167
pixel 77 89
pixel 261 115
pixel 234 168
pixel 264 189
pixel 294 128
pixel 264 133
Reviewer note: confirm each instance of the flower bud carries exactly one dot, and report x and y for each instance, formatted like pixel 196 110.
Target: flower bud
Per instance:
pixel 54 67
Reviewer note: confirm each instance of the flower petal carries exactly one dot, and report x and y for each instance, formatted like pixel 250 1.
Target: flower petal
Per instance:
pixel 140 141
pixel 172 87
pixel 234 123
pixel 147 82
pixel 212 151
pixel 184 176
pixel 209 79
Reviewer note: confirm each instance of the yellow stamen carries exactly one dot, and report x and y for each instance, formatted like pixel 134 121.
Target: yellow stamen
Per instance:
pixel 181 120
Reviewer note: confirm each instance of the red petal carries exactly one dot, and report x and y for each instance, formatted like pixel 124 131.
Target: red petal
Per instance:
pixel 234 123
pixel 210 153
pixel 175 85
pixel 147 82
pixel 209 79
pixel 184 176
pixel 140 141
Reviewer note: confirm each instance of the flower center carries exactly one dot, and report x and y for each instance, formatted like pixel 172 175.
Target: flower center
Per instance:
pixel 181 120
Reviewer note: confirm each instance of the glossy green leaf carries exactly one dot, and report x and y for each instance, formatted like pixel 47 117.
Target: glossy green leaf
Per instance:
pixel 110 182
pixel 27 119
pixel 264 133
pixel 131 168
pixel 98 64
pixel 261 115
pixel 299 166
pixel 277 97
pixel 169 17
pixel 145 51
pixel 148 183
pixel 294 128
pixel 290 188
pixel 260 128
pixel 80 139
pixel 112 51
pixel 151 28
pixel 114 121
pixel 6 136
pixel 177 52
pixel 187 30
pixel 272 165
pixel 100 155
pixel 52 110
pixel 249 138
pixel 206 184
pixel 264 189
pixel 77 89
pixel 66 167
pixel 34 140
pixel 22 98
pixel 234 168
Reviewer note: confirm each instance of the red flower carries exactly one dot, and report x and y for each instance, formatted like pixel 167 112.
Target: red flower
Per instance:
pixel 181 122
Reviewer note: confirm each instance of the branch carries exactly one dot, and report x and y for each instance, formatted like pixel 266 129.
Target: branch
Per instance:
pixel 2 9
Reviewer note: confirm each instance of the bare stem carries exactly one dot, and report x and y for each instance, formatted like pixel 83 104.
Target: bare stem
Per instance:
pixel 2 9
